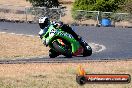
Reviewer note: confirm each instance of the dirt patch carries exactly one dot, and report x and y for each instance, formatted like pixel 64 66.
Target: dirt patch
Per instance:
pixel 124 24
pixel 52 75
pixel 15 2
pixel 26 3
pixel 21 46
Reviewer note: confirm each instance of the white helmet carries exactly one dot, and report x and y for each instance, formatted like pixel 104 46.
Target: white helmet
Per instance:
pixel 43 22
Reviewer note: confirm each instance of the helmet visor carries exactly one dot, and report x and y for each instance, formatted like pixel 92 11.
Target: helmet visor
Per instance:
pixel 43 25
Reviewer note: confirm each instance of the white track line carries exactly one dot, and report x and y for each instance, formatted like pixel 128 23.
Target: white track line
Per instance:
pixel 3 32
pixel 102 47
pixel 18 34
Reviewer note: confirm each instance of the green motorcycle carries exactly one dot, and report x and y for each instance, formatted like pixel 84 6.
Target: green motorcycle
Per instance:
pixel 63 43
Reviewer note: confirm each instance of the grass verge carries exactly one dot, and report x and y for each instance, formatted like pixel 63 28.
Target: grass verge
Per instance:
pixel 14 46
pixel 59 75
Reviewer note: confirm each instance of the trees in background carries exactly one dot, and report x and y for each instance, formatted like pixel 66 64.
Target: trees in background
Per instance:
pixel 127 6
pixel 83 4
pixel 90 5
pixel 44 3
pixel 98 5
pixel 101 5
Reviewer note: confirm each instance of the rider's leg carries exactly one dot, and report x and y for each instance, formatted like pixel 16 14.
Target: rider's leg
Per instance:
pixel 68 29
pixel 77 37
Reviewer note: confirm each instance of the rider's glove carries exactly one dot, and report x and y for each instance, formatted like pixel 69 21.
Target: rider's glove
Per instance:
pixel 41 36
pixel 58 24
pixel 45 42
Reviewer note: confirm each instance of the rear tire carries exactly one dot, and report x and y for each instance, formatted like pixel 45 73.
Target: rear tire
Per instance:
pixel 87 51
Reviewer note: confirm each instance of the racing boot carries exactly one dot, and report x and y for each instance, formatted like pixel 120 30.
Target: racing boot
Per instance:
pixel 82 43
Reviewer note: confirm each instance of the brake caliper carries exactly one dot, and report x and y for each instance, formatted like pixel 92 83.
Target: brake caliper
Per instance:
pixel 61 42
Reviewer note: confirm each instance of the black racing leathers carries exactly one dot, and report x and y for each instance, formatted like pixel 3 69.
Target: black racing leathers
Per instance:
pixel 68 29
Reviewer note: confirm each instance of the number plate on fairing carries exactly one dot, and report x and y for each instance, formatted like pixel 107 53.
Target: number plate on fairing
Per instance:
pixel 52 32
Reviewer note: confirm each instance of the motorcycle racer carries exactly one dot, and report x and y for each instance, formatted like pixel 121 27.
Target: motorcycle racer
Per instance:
pixel 44 24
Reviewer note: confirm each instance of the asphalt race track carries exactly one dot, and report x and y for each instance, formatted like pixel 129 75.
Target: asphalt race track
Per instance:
pixel 118 41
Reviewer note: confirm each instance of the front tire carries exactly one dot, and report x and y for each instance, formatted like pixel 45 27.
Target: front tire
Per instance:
pixel 52 53
pixel 66 51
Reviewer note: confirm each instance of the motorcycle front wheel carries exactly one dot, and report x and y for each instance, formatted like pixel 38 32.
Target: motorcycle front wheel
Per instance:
pixel 52 53
pixel 63 49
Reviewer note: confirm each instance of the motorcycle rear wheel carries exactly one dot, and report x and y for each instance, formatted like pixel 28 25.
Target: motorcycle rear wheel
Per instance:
pixel 87 51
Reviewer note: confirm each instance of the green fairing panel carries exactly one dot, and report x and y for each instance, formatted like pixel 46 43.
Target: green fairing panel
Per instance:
pixel 59 33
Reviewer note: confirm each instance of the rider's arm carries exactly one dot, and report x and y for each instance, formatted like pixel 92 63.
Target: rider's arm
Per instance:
pixel 42 33
pixel 68 29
